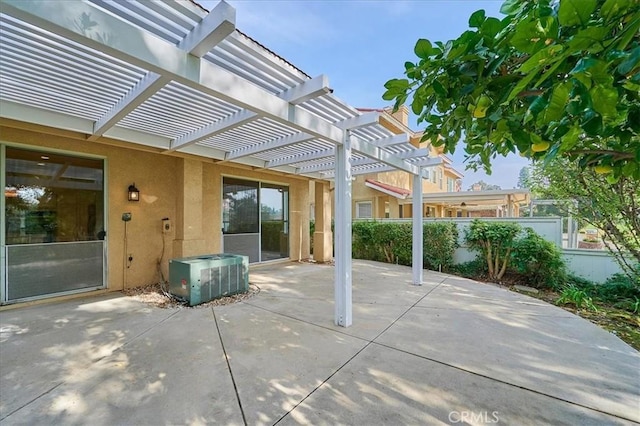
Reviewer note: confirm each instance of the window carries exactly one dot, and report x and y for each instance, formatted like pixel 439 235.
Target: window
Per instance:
pixel 52 198
pixel 451 184
pixel 240 206
pixel 364 210
pixel 255 219
pixel 440 179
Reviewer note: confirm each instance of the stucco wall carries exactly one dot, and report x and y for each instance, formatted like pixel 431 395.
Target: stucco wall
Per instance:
pixel 195 214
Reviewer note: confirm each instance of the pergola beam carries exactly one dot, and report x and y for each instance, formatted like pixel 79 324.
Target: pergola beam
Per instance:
pixel 297 94
pixel 307 90
pixel 212 129
pixel 213 28
pixel 301 158
pixel 363 120
pixel 393 140
pixel 383 156
pixel 380 168
pixel 143 90
pixel 268 146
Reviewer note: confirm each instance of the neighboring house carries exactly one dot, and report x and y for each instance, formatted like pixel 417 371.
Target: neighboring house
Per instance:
pixel 188 138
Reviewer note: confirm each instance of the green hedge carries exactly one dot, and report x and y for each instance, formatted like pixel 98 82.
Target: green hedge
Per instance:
pixel 392 243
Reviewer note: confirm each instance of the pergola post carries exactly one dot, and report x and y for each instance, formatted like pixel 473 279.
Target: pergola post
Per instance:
pixel 417 239
pixel 342 289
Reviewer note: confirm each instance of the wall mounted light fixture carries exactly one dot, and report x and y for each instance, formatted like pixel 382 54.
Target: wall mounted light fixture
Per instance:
pixel 134 193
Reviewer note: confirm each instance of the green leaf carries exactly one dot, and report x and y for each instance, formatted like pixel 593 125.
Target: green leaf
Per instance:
pixel 593 124
pixel 526 37
pixel 597 70
pixel 630 63
pixel 439 88
pixel 541 59
pixel 629 168
pixel 583 65
pixel 491 27
pixel 511 7
pixel 575 12
pixel 399 84
pixel 571 138
pixel 477 18
pixel 395 87
pixel 522 84
pixel 538 104
pixel 611 8
pixel 604 100
pixel 557 103
pixel 630 31
pixel 423 49
pixel 589 39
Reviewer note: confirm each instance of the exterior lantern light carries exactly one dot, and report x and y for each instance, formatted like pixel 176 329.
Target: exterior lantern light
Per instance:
pixel 134 193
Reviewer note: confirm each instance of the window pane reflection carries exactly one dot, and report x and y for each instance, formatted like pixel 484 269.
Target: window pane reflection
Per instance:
pixel 239 206
pixel 52 198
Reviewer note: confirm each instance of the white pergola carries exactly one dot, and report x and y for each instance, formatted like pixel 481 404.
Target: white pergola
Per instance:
pixel 171 76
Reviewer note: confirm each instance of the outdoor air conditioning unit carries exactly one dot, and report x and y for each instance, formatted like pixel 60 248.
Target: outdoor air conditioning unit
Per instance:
pixel 199 279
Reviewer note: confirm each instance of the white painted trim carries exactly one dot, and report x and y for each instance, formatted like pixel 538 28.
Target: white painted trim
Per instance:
pixel 417 236
pixel 143 90
pixel 209 32
pixel 342 286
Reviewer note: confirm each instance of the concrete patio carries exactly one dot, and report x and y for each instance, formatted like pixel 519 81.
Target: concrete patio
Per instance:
pixel 451 351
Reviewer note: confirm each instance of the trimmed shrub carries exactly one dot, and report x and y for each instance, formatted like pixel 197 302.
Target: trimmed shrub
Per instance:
pixel 494 240
pixel 439 244
pixel 617 288
pixel 539 260
pixel 471 269
pixel 392 243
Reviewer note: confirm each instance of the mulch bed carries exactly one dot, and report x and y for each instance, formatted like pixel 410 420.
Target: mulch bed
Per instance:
pixel 157 296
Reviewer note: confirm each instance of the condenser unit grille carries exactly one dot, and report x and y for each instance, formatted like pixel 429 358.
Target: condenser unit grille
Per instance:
pixel 199 279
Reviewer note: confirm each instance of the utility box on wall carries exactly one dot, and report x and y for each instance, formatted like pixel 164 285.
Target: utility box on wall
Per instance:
pixel 199 279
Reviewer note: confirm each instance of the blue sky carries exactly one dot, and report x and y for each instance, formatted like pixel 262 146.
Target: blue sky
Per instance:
pixel 361 44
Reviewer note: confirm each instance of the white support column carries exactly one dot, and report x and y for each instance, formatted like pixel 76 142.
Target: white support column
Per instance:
pixel 417 229
pixel 342 289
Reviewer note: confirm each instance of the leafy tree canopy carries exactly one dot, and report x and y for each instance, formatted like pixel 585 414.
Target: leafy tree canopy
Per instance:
pixel 612 208
pixel 483 186
pixel 553 78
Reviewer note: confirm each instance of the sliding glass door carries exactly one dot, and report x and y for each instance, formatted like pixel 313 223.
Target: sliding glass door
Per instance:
pixel 274 222
pixel 255 219
pixel 53 224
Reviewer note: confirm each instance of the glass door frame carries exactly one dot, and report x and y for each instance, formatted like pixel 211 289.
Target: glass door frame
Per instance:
pixel 286 215
pixel 3 247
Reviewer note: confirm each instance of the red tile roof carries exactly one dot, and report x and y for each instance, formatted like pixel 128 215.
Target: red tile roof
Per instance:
pixel 385 187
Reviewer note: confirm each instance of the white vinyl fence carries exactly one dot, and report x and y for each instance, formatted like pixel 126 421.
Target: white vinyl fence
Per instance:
pixel 593 265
